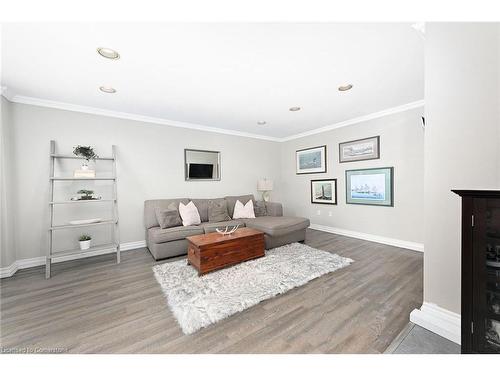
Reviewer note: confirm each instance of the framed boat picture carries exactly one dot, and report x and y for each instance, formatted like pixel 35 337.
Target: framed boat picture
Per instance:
pixel 311 160
pixel 324 191
pixel 374 186
pixel 360 149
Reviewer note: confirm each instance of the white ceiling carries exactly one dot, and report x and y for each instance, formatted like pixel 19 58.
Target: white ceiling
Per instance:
pixel 225 76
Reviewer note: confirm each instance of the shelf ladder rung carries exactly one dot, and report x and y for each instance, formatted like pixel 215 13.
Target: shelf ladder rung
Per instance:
pixel 61 156
pixel 83 201
pixel 59 254
pixel 82 178
pixel 83 225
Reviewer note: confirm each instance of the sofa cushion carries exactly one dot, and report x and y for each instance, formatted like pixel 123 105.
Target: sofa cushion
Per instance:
pixel 260 208
pixel 277 225
pixel 150 206
pixel 168 218
pixel 202 206
pixel 189 214
pixel 210 227
pixel 244 211
pixel 231 201
pixel 217 210
pixel 274 209
pixel 158 235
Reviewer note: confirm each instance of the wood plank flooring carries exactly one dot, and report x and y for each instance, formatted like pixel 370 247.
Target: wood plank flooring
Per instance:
pixel 95 306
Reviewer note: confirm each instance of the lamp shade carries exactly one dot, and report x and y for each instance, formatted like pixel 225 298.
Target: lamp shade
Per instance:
pixel 264 185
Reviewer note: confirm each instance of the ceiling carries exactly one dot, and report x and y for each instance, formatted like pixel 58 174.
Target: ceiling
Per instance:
pixel 226 76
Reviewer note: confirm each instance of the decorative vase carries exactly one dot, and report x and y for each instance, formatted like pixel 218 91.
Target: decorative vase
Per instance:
pixel 85 245
pixel 266 196
pixel 84 171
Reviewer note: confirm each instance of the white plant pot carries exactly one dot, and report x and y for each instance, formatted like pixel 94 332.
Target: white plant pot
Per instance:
pixel 84 245
pixel 85 167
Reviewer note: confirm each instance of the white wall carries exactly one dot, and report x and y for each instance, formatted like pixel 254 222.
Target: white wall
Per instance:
pixel 462 143
pixel 150 165
pixel 401 147
pixel 7 248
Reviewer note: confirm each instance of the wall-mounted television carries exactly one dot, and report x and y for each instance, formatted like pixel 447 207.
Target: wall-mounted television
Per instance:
pixel 201 165
pixel 200 171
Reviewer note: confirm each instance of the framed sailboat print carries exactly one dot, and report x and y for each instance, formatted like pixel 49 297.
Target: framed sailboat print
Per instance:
pixel 360 149
pixel 324 191
pixel 311 160
pixel 374 186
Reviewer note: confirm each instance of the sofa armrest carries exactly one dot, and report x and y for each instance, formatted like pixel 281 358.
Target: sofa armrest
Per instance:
pixel 274 209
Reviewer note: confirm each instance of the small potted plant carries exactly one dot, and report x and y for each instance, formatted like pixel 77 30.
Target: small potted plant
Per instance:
pixel 84 241
pixel 87 195
pixel 87 153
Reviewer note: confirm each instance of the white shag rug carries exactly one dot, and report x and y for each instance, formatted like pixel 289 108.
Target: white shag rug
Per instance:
pixel 197 302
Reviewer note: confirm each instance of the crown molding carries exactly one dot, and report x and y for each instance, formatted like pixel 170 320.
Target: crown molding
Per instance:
pixel 356 120
pixel 129 116
pixel 12 97
pixel 7 93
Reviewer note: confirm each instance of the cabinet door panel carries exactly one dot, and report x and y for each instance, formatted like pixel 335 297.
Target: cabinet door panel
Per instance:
pixel 486 270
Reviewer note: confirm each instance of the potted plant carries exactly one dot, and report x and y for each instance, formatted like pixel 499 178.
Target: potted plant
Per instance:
pixel 87 195
pixel 87 153
pixel 84 241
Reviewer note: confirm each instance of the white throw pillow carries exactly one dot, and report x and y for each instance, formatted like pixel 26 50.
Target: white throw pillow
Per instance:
pixel 189 214
pixel 243 212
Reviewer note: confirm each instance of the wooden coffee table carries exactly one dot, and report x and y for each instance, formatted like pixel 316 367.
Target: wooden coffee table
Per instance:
pixel 213 251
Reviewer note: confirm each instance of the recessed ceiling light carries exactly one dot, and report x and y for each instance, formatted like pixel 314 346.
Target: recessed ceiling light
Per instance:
pixel 345 87
pixel 261 123
pixel 294 109
pixel 108 53
pixel 107 89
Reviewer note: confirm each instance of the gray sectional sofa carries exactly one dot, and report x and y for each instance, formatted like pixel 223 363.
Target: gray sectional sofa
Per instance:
pixel 164 243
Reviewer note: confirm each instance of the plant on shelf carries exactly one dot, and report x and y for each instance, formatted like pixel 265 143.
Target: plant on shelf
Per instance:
pixel 87 153
pixel 87 195
pixel 84 241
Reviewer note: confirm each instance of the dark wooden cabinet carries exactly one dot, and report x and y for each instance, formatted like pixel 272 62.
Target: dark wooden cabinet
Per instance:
pixel 480 271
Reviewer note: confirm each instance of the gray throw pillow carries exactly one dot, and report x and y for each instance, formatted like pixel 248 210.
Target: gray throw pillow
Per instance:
pixel 217 211
pixel 169 217
pixel 259 208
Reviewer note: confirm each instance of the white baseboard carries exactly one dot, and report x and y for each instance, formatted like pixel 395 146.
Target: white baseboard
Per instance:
pixel 370 237
pixel 9 270
pixel 132 245
pixel 438 320
pixel 40 261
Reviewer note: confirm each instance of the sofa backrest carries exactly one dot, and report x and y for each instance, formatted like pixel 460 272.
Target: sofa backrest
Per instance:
pixel 150 206
pixel 150 220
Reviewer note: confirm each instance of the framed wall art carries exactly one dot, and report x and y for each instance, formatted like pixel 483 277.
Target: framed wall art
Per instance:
pixel 374 186
pixel 324 191
pixel 311 160
pixel 360 149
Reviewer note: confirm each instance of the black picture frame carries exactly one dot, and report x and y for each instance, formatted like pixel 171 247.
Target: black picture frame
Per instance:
pixel 377 138
pixel 307 149
pixel 334 183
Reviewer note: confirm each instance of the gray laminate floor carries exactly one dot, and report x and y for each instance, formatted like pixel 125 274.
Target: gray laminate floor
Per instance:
pixel 95 306
pixel 417 340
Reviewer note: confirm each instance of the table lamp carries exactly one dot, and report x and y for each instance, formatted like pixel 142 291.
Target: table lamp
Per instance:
pixel 265 186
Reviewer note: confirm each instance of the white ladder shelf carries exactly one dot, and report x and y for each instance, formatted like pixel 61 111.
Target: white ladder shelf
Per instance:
pixel 115 245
